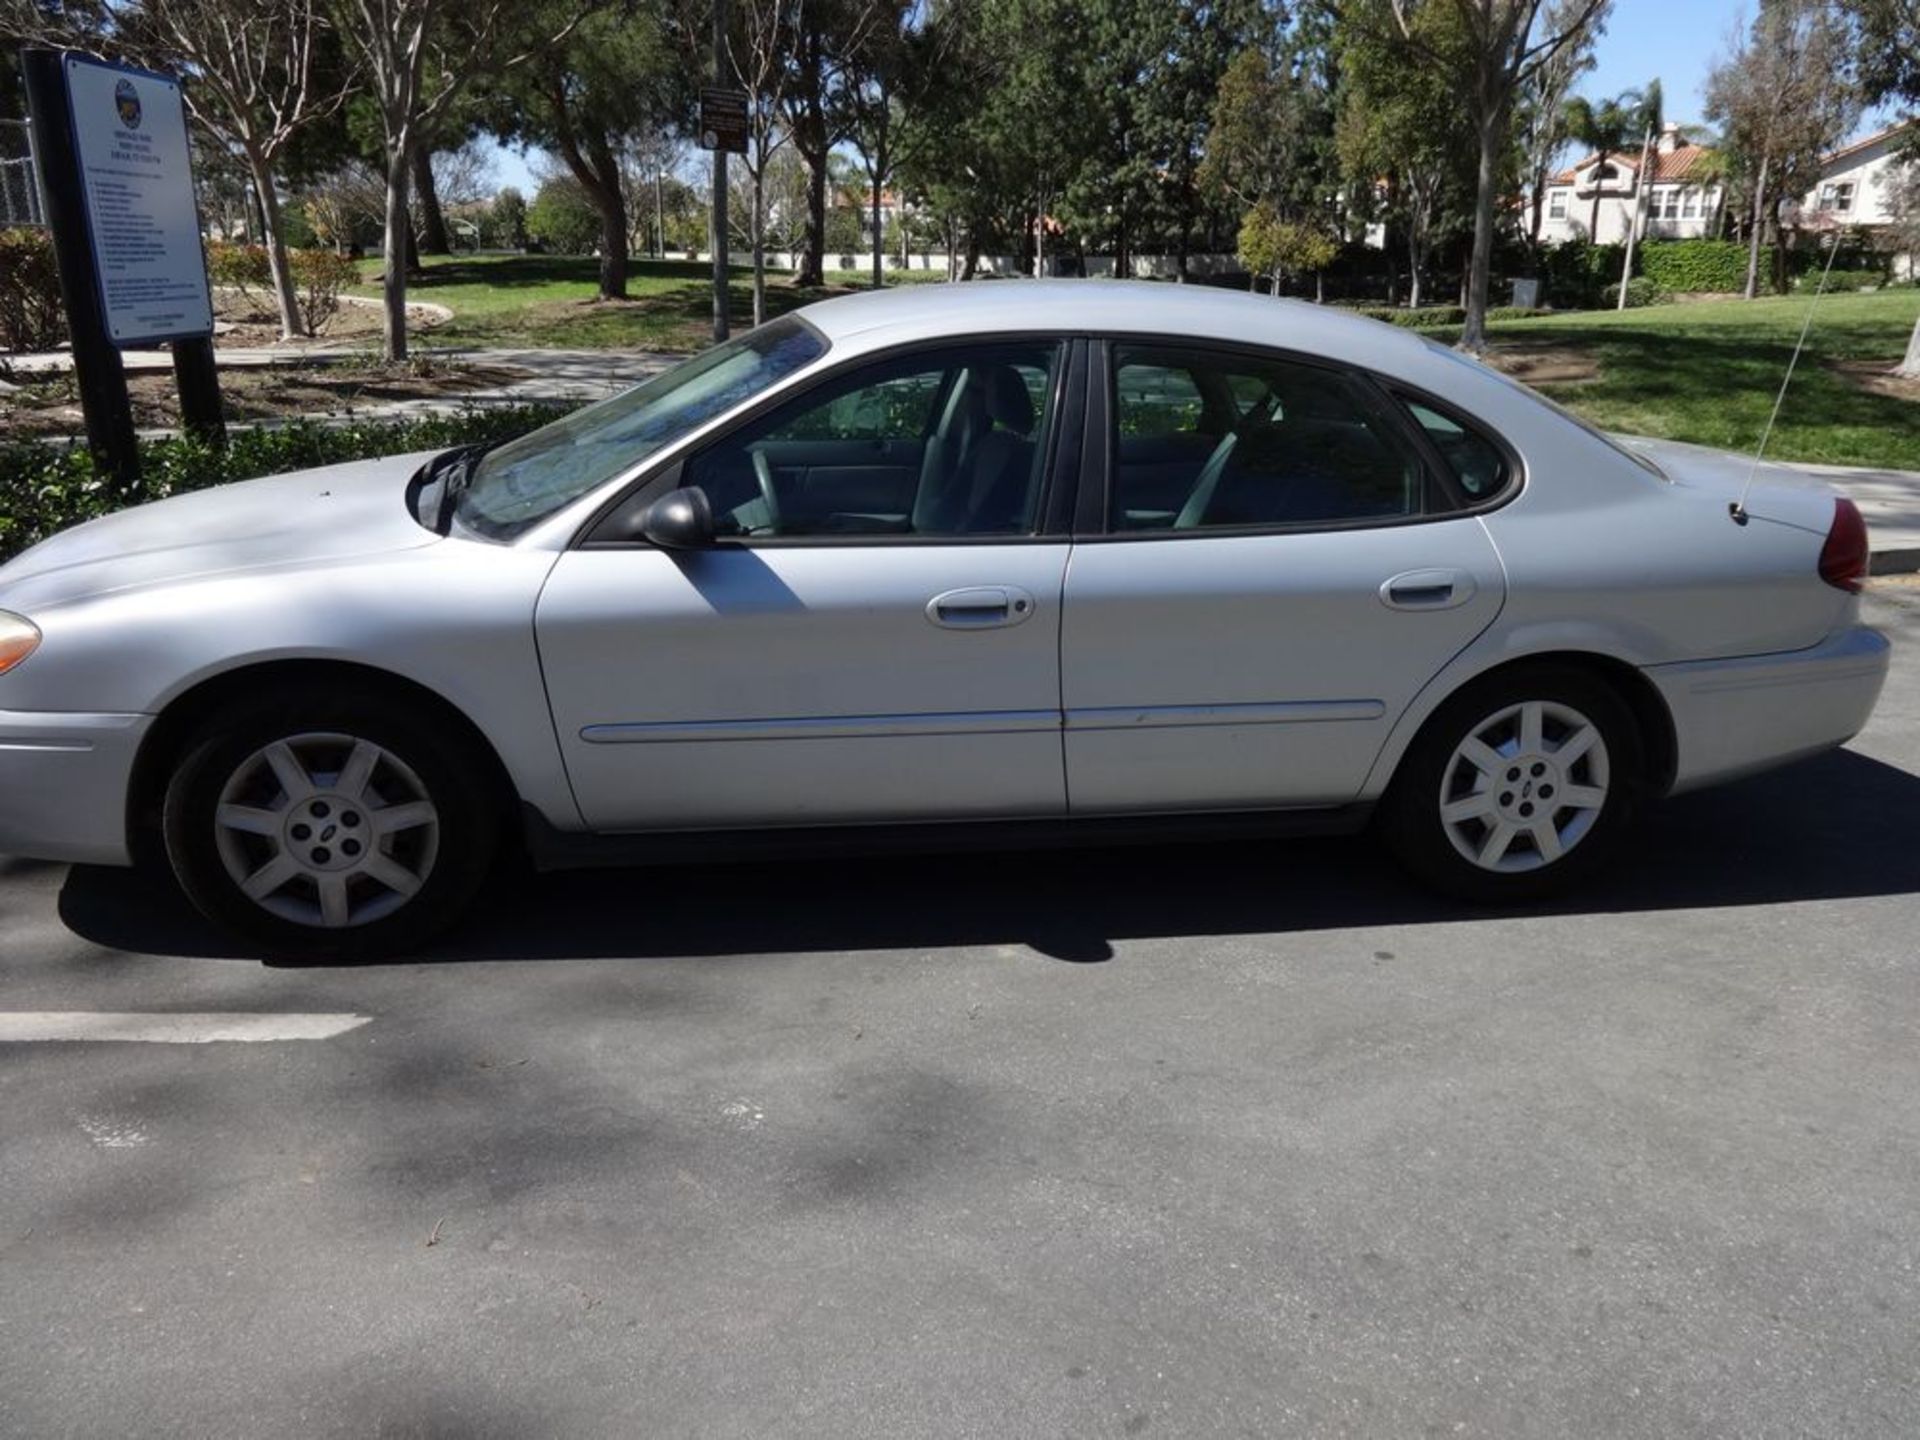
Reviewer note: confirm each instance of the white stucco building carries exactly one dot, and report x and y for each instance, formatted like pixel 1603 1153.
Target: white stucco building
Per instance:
pixel 1860 184
pixel 1595 197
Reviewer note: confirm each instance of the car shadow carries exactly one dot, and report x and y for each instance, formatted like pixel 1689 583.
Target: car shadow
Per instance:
pixel 1830 828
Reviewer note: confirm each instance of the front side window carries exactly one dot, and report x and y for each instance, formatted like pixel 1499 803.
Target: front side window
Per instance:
pixel 1209 441
pixel 520 484
pixel 947 442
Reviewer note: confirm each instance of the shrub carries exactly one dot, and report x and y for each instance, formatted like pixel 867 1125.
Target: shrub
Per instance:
pixel 1577 273
pixel 1700 266
pixel 1427 317
pixel 1640 292
pixel 31 315
pixel 1840 281
pixel 1516 312
pixel 45 488
pixel 240 267
pixel 318 278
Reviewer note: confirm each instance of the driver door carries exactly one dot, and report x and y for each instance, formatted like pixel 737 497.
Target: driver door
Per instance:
pixel 874 636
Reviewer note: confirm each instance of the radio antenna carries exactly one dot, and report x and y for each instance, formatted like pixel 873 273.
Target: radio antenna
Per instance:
pixel 1738 510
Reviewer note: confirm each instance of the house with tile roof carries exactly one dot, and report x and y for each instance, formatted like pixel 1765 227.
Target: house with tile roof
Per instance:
pixel 1595 197
pixel 1861 184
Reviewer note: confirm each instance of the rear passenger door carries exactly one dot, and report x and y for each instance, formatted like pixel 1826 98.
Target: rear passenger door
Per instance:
pixel 1282 564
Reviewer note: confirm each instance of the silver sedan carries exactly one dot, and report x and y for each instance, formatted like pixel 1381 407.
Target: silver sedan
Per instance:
pixel 947 565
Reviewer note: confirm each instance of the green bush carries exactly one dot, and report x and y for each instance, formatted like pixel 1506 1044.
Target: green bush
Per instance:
pixel 1427 317
pixel 44 488
pixel 1577 273
pixel 1700 266
pixel 1640 292
pixel 240 267
pixel 31 316
pixel 1840 281
pixel 1516 312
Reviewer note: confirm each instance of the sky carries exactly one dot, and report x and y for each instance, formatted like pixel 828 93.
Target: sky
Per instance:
pixel 1676 40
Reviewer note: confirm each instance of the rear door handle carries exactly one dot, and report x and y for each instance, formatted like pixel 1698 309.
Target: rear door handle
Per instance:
pixel 1428 590
pixel 980 607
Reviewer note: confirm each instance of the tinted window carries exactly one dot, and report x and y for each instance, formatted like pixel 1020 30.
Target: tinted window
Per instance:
pixel 1476 461
pixel 1212 440
pixel 947 442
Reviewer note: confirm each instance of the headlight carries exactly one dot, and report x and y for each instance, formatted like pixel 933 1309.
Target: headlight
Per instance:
pixel 19 638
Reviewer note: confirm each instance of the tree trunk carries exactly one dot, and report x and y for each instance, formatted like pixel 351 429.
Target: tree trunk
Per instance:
pixel 433 222
pixel 292 323
pixel 813 261
pixel 1593 215
pixel 1415 259
pixel 879 240
pixel 757 206
pixel 1910 367
pixel 1473 338
pixel 1753 238
pixel 394 246
pixel 1642 190
pixel 612 206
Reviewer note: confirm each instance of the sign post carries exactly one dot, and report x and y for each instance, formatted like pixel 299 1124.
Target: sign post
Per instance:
pixel 723 131
pixel 118 177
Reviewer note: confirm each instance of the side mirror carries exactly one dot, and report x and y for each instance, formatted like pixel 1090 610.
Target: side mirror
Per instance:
pixel 679 520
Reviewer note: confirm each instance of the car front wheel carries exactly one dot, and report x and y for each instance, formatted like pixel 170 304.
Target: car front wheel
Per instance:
pixel 329 826
pixel 1517 787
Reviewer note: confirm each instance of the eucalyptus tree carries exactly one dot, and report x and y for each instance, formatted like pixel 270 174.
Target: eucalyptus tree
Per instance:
pixel 1649 114
pixel 1887 56
pixel 1783 95
pixel 1502 45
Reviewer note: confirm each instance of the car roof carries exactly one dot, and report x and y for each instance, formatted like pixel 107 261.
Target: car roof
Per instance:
pixel 1118 307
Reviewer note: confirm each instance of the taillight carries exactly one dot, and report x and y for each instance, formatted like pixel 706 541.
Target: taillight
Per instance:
pixel 1843 559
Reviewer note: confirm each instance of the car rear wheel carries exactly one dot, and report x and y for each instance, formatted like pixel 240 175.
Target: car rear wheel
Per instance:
pixel 1519 786
pixel 329 826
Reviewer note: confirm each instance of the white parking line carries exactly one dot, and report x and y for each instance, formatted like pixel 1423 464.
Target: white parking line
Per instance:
pixel 171 1029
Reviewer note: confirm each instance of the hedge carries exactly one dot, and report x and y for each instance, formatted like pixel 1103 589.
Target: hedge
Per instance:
pixel 1701 266
pixel 1427 317
pixel 45 488
pixel 1640 292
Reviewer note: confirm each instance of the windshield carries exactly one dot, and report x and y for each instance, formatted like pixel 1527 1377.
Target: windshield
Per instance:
pixel 1602 436
pixel 520 484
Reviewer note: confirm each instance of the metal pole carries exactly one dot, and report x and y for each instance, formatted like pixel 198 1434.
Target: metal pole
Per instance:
pixel 719 183
pixel 101 379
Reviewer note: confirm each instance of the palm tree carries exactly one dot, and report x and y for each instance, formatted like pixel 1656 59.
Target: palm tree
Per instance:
pixel 1648 113
pixel 1605 128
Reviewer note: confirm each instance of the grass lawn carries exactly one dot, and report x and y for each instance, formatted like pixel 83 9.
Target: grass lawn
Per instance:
pixel 548 300
pixel 1704 372
pixel 1708 373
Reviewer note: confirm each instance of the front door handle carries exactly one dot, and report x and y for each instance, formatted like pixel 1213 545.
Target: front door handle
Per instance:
pixel 1427 590
pixel 980 607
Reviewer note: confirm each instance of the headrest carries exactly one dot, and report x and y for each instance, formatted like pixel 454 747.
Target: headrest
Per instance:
pixel 1008 402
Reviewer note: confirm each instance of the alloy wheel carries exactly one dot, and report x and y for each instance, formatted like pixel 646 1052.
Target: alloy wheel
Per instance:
pixel 1525 786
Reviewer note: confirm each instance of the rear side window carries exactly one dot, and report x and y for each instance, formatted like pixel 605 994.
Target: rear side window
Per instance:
pixel 1477 463
pixel 1217 440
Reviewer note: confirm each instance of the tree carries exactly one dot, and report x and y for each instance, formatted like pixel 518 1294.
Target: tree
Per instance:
pixel 1272 246
pixel 1888 57
pixel 1649 114
pixel 1543 117
pixel 588 99
pixel 1604 129
pixel 1500 46
pixel 506 222
pixel 418 56
pixel 1401 126
pixel 563 217
pixel 1783 97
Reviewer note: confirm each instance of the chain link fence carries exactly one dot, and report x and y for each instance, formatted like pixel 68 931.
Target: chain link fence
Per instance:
pixel 19 180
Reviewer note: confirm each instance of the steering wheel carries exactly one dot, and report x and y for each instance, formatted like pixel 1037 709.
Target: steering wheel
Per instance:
pixel 763 472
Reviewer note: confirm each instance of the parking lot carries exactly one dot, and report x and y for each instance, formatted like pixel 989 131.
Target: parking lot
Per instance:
pixel 1243 1140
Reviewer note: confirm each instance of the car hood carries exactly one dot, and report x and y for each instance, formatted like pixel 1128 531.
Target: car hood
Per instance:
pixel 1779 493
pixel 341 511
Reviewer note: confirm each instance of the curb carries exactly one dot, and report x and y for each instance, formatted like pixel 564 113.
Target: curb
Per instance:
pixel 1894 562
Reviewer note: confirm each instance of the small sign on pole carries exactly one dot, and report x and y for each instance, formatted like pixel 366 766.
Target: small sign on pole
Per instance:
pixel 723 120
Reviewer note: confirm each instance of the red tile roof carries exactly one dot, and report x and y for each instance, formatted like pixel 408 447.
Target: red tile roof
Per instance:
pixel 1668 165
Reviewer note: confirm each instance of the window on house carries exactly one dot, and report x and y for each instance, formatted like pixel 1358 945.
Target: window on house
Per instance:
pixel 1690 204
pixel 1843 197
pixel 1556 204
pixel 1669 203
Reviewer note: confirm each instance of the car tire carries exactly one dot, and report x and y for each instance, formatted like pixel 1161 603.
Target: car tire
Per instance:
pixel 331 823
pixel 1519 787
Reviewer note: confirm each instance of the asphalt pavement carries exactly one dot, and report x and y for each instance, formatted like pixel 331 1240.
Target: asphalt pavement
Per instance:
pixel 1226 1140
